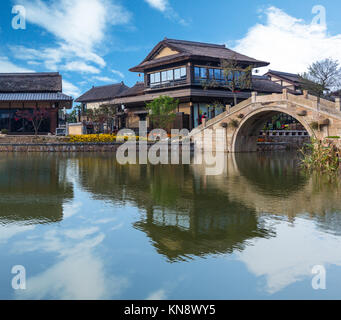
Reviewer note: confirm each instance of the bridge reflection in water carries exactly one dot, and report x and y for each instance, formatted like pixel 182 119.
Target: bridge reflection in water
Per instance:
pixel 187 214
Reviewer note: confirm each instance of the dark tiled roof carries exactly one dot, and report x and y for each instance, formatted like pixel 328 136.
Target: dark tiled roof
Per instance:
pixel 291 77
pixel 30 82
pixel 136 90
pixel 190 49
pixel 34 97
pixel 103 93
pixel 264 84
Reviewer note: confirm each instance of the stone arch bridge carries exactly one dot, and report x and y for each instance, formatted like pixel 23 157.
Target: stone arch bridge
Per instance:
pixel 237 129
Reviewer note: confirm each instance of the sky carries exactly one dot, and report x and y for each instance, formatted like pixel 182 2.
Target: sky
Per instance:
pixel 96 42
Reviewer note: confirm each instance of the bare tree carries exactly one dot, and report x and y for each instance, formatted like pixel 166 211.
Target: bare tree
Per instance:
pixel 322 77
pixel 237 77
pixel 36 117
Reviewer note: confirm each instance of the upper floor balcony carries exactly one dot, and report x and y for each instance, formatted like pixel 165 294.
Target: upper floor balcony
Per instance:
pixel 205 76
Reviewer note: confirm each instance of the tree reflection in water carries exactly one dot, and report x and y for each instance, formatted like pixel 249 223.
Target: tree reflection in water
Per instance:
pixel 33 188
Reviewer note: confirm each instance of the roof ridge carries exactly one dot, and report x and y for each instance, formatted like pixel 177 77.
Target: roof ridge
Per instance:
pixel 29 74
pixel 109 85
pixel 196 43
pixel 282 72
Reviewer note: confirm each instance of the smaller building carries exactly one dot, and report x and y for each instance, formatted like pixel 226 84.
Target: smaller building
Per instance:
pixel 29 91
pixel 287 80
pixel 97 96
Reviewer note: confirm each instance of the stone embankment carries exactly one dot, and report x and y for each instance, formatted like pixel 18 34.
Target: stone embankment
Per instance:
pixel 60 144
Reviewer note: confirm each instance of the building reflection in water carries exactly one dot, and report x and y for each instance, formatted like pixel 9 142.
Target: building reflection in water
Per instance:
pixel 186 213
pixel 183 212
pixel 33 189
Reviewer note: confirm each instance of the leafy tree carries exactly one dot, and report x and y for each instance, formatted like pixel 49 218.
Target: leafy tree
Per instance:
pixel 36 117
pixel 322 77
pixel 162 111
pixel 104 114
pixel 73 116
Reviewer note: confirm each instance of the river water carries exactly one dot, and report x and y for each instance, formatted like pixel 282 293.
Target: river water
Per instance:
pixel 84 227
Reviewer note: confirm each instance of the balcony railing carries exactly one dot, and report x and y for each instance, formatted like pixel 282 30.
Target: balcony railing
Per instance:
pixel 168 84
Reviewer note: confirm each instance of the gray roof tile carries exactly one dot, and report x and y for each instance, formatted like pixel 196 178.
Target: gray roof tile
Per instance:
pixel 34 97
pixel 103 93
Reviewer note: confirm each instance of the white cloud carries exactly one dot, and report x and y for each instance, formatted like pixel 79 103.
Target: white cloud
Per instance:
pixel 71 90
pixel 288 43
pixel 7 66
pixel 105 79
pixel 80 28
pixel 80 233
pixel 157 295
pixel 165 7
pixel 79 274
pixel 9 231
pixel 80 66
pixel 70 209
pixel 80 277
pixel 291 255
pixel 161 5
pixel 119 73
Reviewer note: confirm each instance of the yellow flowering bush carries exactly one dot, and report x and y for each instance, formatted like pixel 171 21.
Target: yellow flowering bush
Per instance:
pixel 100 138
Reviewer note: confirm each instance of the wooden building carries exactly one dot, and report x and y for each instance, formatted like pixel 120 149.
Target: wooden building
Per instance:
pixel 29 91
pixel 98 96
pixel 180 69
pixel 287 80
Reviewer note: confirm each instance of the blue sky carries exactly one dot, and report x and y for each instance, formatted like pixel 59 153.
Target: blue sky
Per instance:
pixel 95 42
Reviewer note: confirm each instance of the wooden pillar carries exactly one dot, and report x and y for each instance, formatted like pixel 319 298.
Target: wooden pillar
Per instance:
pixel 53 120
pixel 9 118
pixel 189 72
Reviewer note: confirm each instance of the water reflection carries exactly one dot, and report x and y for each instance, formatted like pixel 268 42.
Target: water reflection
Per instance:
pixel 88 214
pixel 33 188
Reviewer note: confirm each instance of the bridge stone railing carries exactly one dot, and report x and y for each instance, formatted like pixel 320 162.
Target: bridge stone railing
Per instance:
pixel 305 100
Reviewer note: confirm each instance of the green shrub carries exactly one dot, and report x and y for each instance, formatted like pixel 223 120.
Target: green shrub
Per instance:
pixel 321 156
pixel 4 131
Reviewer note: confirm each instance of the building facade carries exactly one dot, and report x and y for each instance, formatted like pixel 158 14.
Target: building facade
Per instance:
pixel 31 91
pixel 193 73
pixel 287 80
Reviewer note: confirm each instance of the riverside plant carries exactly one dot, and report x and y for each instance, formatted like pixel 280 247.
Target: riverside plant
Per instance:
pixel 321 156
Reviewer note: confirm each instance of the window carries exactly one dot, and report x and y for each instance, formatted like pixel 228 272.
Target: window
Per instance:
pixel 203 73
pixel 183 72
pixel 211 74
pixel 170 75
pixel 217 74
pixel 177 74
pixel 167 76
pixel 157 77
pixel 164 77
pixel 197 73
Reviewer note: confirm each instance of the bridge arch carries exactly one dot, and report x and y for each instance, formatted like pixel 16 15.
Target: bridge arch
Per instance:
pixel 246 136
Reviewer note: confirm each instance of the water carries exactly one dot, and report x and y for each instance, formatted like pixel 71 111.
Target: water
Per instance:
pixel 86 228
